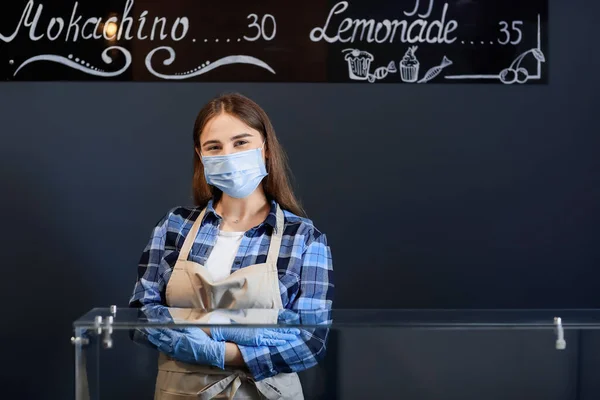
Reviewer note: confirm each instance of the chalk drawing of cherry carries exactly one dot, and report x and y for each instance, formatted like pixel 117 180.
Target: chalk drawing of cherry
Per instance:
pixel 522 75
pixel 515 73
pixel 508 76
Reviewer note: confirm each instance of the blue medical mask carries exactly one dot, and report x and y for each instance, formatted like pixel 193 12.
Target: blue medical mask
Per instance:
pixel 236 174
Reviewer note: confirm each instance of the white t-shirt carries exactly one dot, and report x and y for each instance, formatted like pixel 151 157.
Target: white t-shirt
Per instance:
pixel 221 258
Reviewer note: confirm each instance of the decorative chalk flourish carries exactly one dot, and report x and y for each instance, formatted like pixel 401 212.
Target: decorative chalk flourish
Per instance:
pixel 238 59
pixel 81 67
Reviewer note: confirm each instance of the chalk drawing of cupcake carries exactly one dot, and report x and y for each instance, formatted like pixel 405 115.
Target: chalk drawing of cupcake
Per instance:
pixel 409 66
pixel 359 63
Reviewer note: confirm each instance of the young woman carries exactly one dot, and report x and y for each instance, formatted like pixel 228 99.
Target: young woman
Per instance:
pixel 245 245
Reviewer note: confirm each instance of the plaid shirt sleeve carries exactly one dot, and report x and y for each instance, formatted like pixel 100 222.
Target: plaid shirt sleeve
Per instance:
pixel 154 268
pixel 150 284
pixel 316 292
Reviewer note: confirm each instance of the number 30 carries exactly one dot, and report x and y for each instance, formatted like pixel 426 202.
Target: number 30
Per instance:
pixel 515 28
pixel 261 28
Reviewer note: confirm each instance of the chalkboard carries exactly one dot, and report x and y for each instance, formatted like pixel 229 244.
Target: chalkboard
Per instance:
pixel 359 41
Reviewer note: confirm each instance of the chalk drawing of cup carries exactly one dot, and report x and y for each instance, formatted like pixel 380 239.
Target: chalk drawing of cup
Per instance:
pixel 409 66
pixel 359 63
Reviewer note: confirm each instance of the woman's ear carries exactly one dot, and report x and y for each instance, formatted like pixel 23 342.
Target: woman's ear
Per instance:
pixel 197 150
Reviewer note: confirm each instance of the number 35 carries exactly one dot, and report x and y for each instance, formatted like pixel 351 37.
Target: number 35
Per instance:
pixel 515 28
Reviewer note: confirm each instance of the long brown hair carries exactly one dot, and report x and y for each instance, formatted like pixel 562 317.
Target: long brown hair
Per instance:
pixel 276 184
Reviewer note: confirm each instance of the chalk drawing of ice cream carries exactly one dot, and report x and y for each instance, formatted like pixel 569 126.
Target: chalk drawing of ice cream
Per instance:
pixel 359 63
pixel 382 72
pixel 409 66
pixel 435 71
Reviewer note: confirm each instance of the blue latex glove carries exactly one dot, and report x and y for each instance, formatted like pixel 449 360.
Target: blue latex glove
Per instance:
pixel 189 345
pixel 254 336
pixel 155 313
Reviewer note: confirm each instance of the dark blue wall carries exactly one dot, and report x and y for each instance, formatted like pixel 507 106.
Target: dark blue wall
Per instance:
pixel 443 196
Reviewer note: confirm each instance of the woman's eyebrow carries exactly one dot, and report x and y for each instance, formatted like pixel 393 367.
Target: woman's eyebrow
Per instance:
pixel 241 135
pixel 236 137
pixel 210 142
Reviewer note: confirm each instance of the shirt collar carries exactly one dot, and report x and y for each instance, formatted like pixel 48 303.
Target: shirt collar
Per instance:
pixel 271 219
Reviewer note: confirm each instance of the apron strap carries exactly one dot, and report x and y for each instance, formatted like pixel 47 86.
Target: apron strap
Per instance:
pixel 190 238
pixel 211 391
pixel 268 391
pixel 276 238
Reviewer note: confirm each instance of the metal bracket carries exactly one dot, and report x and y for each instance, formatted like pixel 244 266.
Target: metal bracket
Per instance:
pixel 79 341
pixel 102 327
pixel 108 329
pixel 561 344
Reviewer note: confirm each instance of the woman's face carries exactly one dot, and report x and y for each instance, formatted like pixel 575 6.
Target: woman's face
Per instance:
pixel 225 134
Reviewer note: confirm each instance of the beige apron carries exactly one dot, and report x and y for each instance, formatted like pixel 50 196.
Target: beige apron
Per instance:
pixel 255 286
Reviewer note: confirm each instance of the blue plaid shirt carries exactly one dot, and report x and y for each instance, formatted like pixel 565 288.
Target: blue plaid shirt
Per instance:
pixel 305 276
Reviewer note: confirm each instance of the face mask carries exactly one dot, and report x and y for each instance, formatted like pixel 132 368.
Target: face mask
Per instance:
pixel 236 174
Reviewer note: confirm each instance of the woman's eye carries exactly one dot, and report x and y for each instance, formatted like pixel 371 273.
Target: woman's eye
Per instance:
pixel 212 148
pixel 241 142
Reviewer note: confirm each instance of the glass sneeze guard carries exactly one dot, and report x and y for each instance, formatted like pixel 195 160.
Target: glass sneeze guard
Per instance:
pixel 97 332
